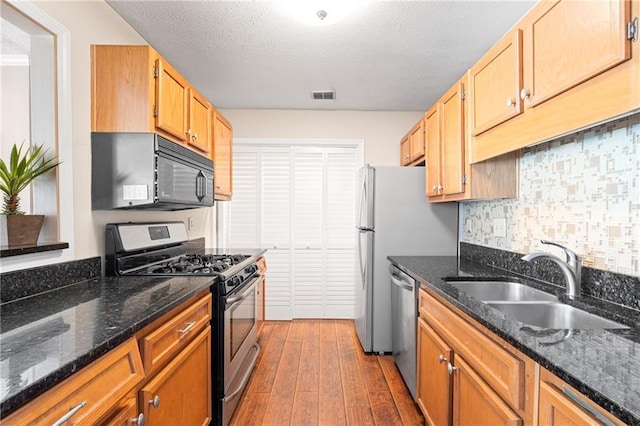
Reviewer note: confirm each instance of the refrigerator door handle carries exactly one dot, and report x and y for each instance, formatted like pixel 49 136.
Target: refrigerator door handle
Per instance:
pixel 362 220
pixel 362 263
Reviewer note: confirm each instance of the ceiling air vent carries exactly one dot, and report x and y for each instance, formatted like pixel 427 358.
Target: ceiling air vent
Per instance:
pixel 323 95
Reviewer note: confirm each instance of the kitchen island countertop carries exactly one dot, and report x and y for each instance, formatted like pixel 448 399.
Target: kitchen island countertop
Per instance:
pixel 602 364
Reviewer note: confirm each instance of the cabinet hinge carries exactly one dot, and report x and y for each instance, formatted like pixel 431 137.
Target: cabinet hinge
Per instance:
pixel 632 30
pixel 155 72
pixel 155 111
pixel 464 179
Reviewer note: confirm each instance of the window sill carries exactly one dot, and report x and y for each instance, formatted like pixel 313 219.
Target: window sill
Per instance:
pixel 6 251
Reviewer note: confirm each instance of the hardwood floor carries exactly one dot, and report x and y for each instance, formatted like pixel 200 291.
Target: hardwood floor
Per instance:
pixel 313 372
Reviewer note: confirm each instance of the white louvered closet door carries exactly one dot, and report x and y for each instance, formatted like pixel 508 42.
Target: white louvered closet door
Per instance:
pixel 299 203
pixel 340 252
pixel 309 267
pixel 275 230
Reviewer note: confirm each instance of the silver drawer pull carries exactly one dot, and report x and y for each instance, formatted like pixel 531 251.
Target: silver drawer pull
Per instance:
pixel 442 359
pixel 138 420
pixel 188 328
pixel 585 406
pixel 155 401
pixel 62 420
pixel 451 369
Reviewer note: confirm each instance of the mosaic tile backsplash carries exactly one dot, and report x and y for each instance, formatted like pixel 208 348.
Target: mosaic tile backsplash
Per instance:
pixel 581 190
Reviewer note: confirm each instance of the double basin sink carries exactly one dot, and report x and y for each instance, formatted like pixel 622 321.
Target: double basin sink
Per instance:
pixel 531 306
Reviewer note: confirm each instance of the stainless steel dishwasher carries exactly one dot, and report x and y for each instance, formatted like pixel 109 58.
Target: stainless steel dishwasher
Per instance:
pixel 404 319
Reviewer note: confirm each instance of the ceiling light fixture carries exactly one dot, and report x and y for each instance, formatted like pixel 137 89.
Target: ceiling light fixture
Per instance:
pixel 320 12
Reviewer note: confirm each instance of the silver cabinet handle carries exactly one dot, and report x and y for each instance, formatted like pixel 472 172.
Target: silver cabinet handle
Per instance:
pixel 194 137
pixel 511 102
pixel 188 328
pixel 139 420
pixel 524 94
pixel 584 405
pixel 442 359
pixel 188 132
pixel 72 411
pixel 451 369
pixel 155 401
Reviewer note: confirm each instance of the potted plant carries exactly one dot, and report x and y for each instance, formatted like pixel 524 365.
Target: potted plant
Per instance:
pixel 17 227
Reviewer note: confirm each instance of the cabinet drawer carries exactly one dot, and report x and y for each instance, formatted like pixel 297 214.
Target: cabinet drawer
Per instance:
pixel 126 415
pixel 503 370
pixel 262 265
pixel 163 343
pixel 93 392
pixel 560 404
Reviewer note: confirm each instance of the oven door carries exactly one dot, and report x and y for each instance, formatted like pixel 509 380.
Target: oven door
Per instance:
pixel 240 329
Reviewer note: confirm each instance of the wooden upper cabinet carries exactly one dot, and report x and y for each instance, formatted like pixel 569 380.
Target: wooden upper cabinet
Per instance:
pixel 172 101
pixel 453 140
pixel 580 67
pixel 432 139
pixel 495 82
pixel 199 132
pixel 416 141
pixel 222 157
pixel 567 43
pixel 405 151
pixel 134 89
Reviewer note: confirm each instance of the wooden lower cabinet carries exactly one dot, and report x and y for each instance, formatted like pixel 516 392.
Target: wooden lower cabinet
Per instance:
pixel 480 378
pixel 560 404
pixel 180 394
pixel 469 376
pixel 434 381
pixel 475 403
pixel 94 394
pixel 127 415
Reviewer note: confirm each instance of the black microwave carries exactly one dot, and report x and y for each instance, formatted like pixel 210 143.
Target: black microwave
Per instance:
pixel 147 171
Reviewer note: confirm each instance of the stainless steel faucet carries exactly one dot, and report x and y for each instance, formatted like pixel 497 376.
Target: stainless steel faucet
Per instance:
pixel 571 267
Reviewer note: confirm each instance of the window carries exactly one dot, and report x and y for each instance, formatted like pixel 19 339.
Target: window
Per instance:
pixel 36 108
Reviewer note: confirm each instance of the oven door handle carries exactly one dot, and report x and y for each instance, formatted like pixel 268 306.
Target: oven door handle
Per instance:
pixel 232 301
pixel 247 374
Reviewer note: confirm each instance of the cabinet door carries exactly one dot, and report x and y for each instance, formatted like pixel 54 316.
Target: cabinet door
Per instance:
pixel 473 399
pixel 199 132
pixel 569 42
pixel 171 101
pixel 222 156
pixel 180 394
pixel 434 381
pixel 432 139
pixel 405 151
pixel 495 84
pixel 416 140
pixel 453 140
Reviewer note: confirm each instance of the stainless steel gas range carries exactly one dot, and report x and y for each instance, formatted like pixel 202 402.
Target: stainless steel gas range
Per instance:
pixel 136 249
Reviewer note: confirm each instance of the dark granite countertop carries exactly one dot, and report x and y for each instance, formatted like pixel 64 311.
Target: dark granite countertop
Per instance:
pixel 602 364
pixel 46 337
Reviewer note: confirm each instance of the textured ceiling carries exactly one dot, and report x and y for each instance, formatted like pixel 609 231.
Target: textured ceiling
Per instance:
pixel 385 55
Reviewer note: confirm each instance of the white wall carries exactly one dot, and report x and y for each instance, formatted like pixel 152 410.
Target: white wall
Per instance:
pixel 94 22
pixel 381 130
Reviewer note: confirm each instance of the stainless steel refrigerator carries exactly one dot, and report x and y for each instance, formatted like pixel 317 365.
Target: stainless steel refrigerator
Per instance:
pixel 394 219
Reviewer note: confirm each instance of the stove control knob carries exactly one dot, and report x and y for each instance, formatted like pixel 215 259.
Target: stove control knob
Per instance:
pixel 234 281
pixel 251 269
